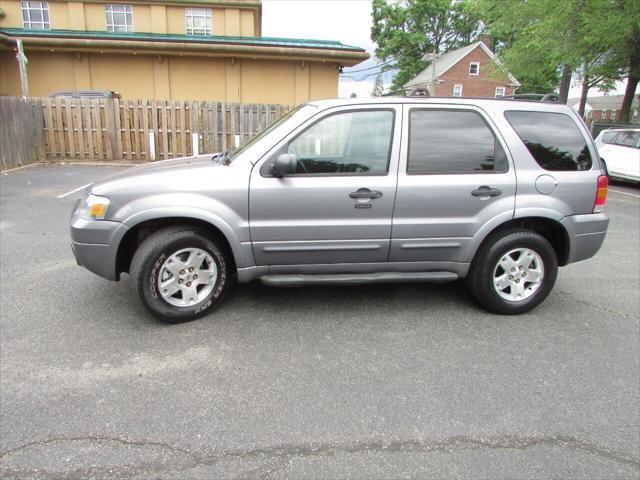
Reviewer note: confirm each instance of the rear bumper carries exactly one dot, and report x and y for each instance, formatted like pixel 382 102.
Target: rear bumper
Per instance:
pixel 586 234
pixel 95 244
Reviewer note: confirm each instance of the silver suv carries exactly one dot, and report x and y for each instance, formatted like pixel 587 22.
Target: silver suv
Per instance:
pixel 500 192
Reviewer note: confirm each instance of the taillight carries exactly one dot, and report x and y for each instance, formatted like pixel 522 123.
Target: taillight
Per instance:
pixel 601 193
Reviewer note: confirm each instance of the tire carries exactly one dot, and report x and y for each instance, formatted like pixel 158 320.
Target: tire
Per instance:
pixel 500 255
pixel 161 260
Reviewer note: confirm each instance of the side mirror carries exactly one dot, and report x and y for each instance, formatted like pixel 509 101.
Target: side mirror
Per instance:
pixel 285 164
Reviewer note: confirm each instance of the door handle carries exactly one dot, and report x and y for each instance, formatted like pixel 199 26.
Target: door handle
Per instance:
pixel 485 191
pixel 365 193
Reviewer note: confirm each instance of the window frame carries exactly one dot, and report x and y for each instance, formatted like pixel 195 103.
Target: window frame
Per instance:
pixel 27 23
pixel 187 15
pixel 277 150
pixel 493 131
pixel 453 94
pixel 128 28
pixel 471 64
pixel 504 92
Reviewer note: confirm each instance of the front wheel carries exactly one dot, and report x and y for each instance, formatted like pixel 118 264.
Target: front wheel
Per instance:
pixel 179 274
pixel 514 272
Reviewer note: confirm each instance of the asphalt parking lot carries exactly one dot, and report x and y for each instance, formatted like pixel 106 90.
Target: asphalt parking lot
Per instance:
pixel 384 381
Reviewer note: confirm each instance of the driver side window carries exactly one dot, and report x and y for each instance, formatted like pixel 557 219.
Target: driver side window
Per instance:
pixel 355 142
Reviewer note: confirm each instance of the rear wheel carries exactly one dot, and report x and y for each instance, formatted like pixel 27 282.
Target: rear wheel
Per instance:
pixel 179 274
pixel 514 272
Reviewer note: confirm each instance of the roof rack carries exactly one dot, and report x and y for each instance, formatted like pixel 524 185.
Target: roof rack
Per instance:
pixel 541 97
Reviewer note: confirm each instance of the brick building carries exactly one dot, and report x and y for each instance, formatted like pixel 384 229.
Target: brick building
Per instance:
pixel 471 71
pixel 605 108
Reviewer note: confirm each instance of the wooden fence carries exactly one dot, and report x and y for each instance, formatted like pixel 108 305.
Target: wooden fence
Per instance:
pixel 144 130
pixel 21 139
pixel 130 130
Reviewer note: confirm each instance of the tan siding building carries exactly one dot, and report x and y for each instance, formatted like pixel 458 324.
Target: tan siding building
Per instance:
pixel 179 49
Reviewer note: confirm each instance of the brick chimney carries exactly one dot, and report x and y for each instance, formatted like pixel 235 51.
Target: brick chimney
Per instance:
pixel 487 40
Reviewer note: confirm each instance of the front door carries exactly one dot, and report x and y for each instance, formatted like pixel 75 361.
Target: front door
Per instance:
pixel 337 206
pixel 454 180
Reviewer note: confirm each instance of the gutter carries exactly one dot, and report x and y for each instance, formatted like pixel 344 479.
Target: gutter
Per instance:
pixel 343 57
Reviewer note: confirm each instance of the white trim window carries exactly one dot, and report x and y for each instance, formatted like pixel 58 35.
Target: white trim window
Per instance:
pixel 119 17
pixel 197 21
pixel 500 91
pixel 474 68
pixel 35 15
pixel 457 90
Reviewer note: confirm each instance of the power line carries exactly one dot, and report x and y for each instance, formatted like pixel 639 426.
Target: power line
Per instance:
pixel 386 62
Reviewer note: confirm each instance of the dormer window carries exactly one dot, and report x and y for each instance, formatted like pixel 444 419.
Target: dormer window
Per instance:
pixel 197 21
pixel 35 15
pixel 474 68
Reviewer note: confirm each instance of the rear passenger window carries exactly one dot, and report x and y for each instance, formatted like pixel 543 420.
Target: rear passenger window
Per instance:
pixel 553 139
pixel 452 141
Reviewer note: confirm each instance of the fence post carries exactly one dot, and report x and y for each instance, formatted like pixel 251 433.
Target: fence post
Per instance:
pixel 111 122
pixel 152 145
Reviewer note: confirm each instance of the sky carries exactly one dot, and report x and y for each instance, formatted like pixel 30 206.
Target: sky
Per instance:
pixel 348 21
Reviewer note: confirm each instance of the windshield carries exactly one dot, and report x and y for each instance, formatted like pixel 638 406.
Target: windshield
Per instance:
pixel 238 151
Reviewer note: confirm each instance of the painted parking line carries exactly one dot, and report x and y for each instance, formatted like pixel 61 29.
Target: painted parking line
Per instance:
pixel 74 191
pixel 624 193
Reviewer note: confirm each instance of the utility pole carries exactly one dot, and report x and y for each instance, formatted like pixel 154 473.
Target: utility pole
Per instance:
pixel 433 70
pixel 22 64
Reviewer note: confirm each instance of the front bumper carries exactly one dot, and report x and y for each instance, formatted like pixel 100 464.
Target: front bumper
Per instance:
pixel 586 234
pixel 95 243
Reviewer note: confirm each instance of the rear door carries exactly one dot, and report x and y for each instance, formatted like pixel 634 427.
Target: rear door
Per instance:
pixel 454 179
pixel 337 206
pixel 623 155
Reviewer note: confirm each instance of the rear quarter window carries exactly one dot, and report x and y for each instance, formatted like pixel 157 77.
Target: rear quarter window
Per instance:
pixel 607 137
pixel 627 139
pixel 553 139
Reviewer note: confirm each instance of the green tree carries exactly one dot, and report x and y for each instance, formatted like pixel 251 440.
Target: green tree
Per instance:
pixel 545 42
pixel 406 30
pixel 378 86
pixel 620 29
pixel 535 39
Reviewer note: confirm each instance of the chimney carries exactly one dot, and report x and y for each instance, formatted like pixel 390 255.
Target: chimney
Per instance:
pixel 487 39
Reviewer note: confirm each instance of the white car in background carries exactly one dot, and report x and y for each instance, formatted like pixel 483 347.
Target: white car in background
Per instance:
pixel 620 150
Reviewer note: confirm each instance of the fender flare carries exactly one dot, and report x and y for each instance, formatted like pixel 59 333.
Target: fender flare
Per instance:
pixel 195 214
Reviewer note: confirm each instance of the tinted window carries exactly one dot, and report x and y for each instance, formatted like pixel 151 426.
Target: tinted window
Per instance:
pixel 349 142
pixel 452 141
pixel 553 139
pixel 628 139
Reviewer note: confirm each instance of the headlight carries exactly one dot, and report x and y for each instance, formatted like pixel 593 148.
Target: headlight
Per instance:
pixel 94 207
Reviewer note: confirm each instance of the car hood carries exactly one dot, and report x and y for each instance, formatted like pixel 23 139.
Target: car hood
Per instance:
pixel 189 181
pixel 147 170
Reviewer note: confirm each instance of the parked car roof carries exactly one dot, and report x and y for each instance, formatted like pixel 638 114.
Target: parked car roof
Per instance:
pixel 85 94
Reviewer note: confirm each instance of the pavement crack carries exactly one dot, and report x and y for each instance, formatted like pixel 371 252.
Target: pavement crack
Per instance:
pixel 99 438
pixel 276 458
pixel 596 306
